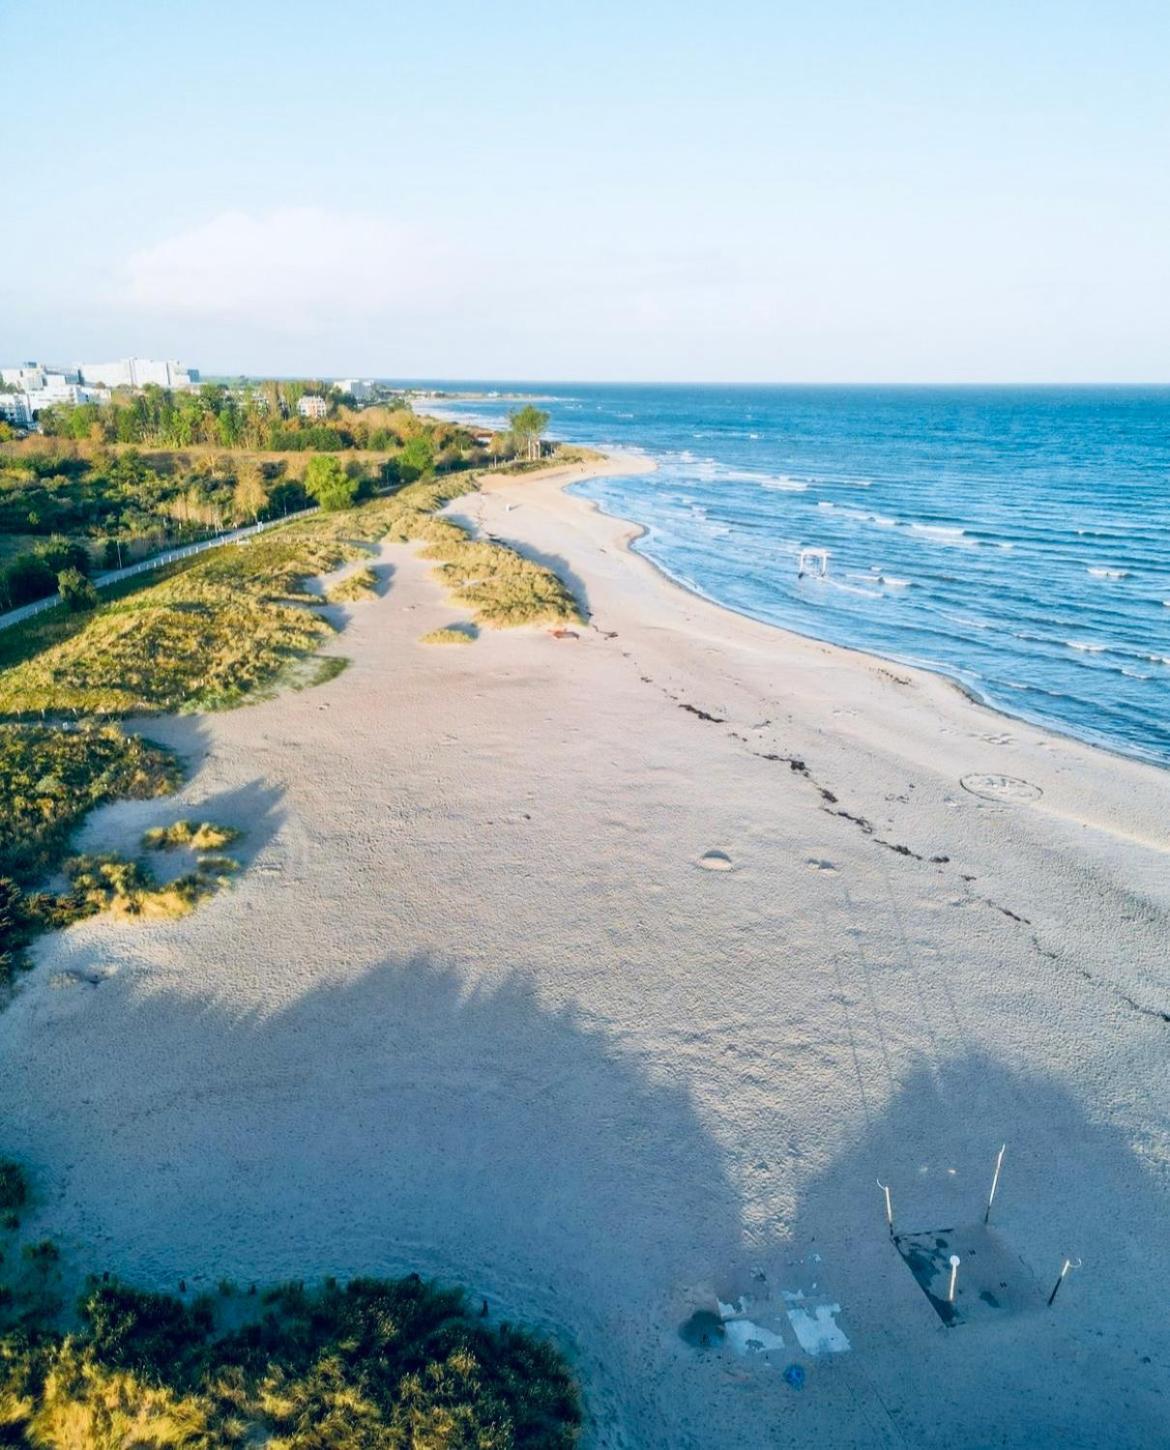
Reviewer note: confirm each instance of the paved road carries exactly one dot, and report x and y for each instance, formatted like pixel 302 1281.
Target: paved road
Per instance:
pixel 156 561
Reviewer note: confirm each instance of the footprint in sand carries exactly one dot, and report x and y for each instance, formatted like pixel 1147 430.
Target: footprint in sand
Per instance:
pixel 714 861
pixel 1007 788
pixel 818 865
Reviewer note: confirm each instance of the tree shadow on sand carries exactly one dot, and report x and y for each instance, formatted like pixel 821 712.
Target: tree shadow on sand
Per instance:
pixel 400 1120
pixel 1089 1371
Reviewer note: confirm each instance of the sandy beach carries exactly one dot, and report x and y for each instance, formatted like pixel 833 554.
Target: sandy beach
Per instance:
pixel 607 975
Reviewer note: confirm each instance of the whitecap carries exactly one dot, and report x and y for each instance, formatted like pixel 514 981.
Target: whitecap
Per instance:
pixel 1084 647
pixel 944 533
pixel 1102 573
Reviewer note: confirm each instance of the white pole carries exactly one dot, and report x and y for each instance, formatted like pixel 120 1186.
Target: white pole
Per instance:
pixel 1064 1268
pixel 889 1210
pixel 954 1275
pixel 994 1183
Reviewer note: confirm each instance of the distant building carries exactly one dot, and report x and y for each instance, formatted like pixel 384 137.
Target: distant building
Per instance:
pixel 311 406
pixel 360 389
pixel 43 387
pixel 14 408
pixel 137 372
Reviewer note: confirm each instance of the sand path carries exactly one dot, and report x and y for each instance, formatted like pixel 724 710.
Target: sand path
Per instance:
pixel 476 1008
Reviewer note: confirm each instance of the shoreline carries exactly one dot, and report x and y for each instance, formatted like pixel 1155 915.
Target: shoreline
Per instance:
pixel 638 463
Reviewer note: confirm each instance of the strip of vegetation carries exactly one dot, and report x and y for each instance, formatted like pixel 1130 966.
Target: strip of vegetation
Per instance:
pixel 375 1363
pixel 361 584
pixel 449 634
pixel 229 623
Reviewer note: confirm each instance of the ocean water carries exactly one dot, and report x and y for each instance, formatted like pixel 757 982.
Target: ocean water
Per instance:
pixel 1014 539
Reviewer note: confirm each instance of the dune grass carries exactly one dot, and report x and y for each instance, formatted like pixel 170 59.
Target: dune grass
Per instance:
pixel 204 836
pixel 129 890
pixel 378 1363
pixel 449 634
pixel 361 584
pixel 51 778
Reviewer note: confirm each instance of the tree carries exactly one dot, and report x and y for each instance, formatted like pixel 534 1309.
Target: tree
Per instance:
pixel 59 553
pixel 418 457
pixel 250 495
pixel 76 590
pixel 528 423
pixel 328 482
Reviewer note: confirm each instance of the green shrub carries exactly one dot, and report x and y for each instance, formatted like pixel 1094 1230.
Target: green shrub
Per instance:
pixel 13 1188
pixel 328 483
pixel 76 590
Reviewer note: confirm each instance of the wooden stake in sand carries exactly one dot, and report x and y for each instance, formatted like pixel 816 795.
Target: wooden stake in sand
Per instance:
pixel 954 1276
pixel 1064 1268
pixel 889 1210
pixel 994 1183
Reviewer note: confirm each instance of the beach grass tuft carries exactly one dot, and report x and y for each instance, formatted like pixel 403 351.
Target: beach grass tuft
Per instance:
pixel 361 584
pixel 449 634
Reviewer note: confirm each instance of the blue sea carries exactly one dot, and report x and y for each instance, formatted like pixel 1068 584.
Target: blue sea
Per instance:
pixel 1014 539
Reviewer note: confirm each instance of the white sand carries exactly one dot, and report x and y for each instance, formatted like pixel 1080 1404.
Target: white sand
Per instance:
pixel 473 1008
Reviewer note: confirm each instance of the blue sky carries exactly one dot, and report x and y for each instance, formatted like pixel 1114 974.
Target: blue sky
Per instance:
pixel 747 191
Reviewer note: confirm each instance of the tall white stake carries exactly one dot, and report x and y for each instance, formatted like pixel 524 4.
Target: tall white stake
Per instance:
pixel 994 1184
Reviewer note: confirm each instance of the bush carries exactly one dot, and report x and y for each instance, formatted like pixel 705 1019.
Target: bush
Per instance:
pixel 329 484
pixel 60 554
pixel 28 577
pixel 13 1188
pixel 76 590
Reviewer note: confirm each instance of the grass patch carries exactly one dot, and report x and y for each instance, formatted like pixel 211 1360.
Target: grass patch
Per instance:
pixel 361 584
pixel 204 836
pixel 377 1363
pixel 129 890
pixel 449 634
pixel 50 779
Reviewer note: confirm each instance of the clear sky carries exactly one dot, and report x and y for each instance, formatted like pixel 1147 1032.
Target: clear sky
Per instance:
pixel 836 190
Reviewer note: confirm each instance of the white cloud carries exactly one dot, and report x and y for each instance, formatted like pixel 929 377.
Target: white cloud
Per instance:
pixel 290 268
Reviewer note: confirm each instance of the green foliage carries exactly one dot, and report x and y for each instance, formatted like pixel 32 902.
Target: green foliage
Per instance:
pixel 372 1366
pixel 50 779
pixel 418 457
pixel 26 578
pixel 329 484
pixel 13 1188
pixel 76 590
pixel 528 424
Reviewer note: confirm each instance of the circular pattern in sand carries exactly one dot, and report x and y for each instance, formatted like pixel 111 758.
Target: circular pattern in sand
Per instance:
pixel 714 861
pixel 1009 788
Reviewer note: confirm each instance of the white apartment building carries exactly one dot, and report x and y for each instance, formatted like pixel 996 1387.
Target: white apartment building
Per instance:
pixel 41 387
pixel 362 389
pixel 311 406
pixel 137 372
pixel 14 408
